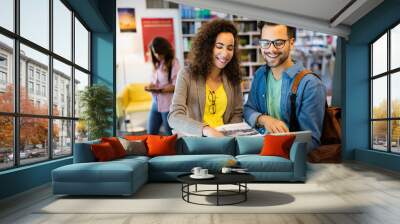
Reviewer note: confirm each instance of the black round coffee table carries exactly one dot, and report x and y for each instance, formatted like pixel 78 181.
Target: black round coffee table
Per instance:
pixel 238 179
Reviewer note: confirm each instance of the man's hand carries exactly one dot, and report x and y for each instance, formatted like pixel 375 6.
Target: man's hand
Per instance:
pixel 273 125
pixel 211 132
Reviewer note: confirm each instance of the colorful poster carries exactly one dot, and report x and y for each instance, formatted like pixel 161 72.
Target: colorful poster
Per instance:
pixel 127 20
pixel 153 27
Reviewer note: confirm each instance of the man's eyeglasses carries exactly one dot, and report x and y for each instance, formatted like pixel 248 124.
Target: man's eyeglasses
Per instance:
pixel 212 109
pixel 278 44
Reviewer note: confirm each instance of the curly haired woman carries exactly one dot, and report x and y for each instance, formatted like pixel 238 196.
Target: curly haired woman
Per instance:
pixel 208 92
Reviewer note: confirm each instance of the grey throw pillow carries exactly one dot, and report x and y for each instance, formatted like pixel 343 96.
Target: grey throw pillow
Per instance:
pixel 137 147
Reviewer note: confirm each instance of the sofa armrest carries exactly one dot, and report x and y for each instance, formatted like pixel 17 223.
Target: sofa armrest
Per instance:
pixel 298 156
pixel 83 152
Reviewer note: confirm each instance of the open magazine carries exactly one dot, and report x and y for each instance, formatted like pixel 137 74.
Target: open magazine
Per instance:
pixel 238 129
pixel 243 129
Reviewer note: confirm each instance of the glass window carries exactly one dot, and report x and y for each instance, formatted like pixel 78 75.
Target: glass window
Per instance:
pixel 40 62
pixel 34 80
pixel 62 72
pixel 62 138
pixel 81 131
pixel 62 29
pixel 35 21
pixel 7 14
pixel 7 74
pixel 395 138
pixel 30 88
pixel 44 91
pixel 81 45
pixel 395 95
pixel 30 72
pixel 81 81
pixel 3 61
pixel 379 98
pixel 385 125
pixel 37 89
pixel 6 142
pixel 379 56
pixel 379 135
pixel 34 142
pixel 395 47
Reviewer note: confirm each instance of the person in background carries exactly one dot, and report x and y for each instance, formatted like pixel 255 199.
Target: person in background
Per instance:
pixel 268 105
pixel 162 85
pixel 208 91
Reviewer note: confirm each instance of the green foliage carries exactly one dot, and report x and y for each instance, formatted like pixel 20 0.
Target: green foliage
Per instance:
pixel 96 103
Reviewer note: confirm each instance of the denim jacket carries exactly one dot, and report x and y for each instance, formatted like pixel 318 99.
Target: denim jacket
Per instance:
pixel 310 101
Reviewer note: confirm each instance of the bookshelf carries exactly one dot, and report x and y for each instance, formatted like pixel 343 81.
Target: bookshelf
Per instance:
pixel 251 59
pixel 315 50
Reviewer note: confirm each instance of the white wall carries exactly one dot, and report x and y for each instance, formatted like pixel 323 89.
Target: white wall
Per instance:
pixel 131 67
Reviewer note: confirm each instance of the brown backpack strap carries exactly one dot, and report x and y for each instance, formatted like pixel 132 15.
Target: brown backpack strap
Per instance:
pixel 293 123
pixel 298 78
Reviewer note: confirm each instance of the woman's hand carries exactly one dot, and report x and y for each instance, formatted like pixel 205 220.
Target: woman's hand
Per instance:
pixel 211 132
pixel 152 88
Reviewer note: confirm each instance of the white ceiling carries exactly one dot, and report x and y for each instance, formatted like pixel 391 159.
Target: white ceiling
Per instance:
pixel 324 16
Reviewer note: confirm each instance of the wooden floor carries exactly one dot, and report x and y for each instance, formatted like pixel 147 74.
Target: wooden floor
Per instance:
pixel 377 188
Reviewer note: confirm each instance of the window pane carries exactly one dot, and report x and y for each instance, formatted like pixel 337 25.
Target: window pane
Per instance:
pixel 395 47
pixel 6 142
pixel 62 29
pixel 81 132
pixel 34 72
pixel 35 21
pixel 7 14
pixel 395 138
pixel 379 55
pixel 395 94
pixel 81 45
pixel 379 135
pixel 379 97
pixel 33 140
pixel 81 81
pixel 62 141
pixel 62 89
pixel 6 74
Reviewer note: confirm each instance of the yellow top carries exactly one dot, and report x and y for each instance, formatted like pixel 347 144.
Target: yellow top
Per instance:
pixel 216 102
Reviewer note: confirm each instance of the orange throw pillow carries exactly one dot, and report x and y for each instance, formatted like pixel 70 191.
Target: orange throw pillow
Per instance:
pixel 103 152
pixel 161 145
pixel 136 137
pixel 277 145
pixel 116 145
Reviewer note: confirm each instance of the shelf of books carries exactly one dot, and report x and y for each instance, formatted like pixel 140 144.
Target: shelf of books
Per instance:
pixel 315 50
pixel 250 57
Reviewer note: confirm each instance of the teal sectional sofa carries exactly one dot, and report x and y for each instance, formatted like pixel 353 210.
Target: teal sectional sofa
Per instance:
pixel 125 176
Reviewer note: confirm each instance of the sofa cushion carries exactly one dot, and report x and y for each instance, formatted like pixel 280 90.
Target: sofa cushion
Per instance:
pixel 257 163
pixel 103 152
pixel 249 144
pixel 83 152
pixel 185 163
pixel 161 145
pixel 277 145
pixel 191 145
pixel 134 147
pixel 112 171
pixel 116 145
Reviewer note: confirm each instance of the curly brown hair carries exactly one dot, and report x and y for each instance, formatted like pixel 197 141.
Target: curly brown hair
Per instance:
pixel 200 60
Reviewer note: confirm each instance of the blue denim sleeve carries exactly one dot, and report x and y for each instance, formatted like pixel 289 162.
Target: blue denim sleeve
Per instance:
pixel 251 111
pixel 310 114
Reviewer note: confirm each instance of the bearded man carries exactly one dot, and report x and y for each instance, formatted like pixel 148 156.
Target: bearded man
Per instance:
pixel 268 106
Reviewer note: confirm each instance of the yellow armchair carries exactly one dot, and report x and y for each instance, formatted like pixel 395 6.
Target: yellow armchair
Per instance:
pixel 133 98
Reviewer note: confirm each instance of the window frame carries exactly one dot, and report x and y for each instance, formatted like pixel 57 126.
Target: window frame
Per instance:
pixel 388 74
pixel 16 114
